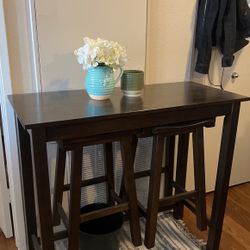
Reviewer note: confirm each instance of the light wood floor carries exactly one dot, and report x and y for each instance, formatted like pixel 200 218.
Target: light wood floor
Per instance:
pixel 236 229
pixel 6 244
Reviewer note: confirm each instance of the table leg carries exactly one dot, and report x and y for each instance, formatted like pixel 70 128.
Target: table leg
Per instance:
pixel 41 177
pixel 223 177
pixel 26 172
pixel 58 183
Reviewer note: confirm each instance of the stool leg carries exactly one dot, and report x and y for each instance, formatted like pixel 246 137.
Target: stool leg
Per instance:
pixel 181 171
pixel 154 191
pixel 75 199
pixel 134 146
pixel 58 184
pixel 199 173
pixel 128 165
pixel 109 168
pixel 169 163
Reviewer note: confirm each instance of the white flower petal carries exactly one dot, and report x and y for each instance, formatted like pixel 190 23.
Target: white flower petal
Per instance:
pixel 98 51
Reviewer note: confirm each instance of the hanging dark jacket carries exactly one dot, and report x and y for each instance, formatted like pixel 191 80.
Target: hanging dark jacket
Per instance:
pixel 223 24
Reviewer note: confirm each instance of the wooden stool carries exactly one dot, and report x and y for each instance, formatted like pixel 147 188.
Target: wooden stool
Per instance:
pixel 194 200
pixel 116 204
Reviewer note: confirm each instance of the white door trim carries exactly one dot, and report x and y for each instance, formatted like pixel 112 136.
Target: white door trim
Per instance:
pixel 5 214
pixel 34 45
pixel 9 131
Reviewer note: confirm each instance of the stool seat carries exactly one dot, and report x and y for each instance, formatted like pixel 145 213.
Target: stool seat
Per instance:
pixel 183 128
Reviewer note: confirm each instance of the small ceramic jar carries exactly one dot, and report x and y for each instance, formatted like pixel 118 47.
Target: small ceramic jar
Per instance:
pixel 132 83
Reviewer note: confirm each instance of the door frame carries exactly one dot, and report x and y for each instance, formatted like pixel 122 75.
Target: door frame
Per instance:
pixel 8 119
pixel 5 213
pixel 34 52
pixel 9 131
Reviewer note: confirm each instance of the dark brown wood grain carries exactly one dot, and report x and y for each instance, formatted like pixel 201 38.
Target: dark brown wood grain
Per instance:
pixel 134 142
pixel 181 170
pixel 199 175
pixel 74 106
pixel 75 198
pixel 133 121
pixel 40 168
pixel 129 181
pixel 58 183
pixel 169 163
pixel 223 176
pixel 70 115
pixel 109 169
pixel 154 190
pixel 26 172
pixel 194 199
pixel 104 212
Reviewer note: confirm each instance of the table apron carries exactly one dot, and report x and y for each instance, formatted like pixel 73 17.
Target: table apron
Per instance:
pixel 133 121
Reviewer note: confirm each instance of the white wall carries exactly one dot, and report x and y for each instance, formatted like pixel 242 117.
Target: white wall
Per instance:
pixel 63 24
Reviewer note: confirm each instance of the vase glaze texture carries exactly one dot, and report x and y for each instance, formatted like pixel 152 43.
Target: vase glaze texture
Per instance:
pixel 100 82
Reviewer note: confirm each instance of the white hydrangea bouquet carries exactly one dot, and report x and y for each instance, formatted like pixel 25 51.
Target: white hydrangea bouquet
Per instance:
pixel 101 52
pixel 100 58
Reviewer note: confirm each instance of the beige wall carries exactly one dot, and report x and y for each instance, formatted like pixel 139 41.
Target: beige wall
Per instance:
pixel 241 170
pixel 170 59
pixel 170 40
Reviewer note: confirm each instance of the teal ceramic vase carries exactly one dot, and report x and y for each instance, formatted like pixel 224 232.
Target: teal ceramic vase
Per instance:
pixel 100 82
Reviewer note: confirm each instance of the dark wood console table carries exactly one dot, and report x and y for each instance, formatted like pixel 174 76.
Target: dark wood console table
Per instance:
pixel 71 114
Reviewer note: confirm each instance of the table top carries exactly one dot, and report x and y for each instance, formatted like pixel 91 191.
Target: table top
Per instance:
pixel 74 106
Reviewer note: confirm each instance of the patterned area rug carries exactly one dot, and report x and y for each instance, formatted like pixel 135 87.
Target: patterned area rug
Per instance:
pixel 171 235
